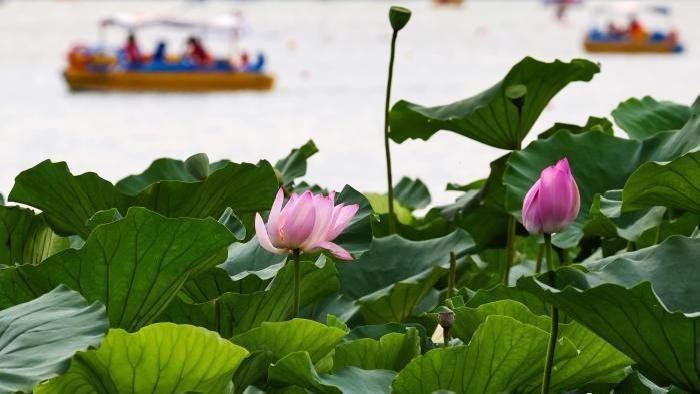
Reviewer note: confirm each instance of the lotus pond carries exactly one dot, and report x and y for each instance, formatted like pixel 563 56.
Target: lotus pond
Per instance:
pixel 562 276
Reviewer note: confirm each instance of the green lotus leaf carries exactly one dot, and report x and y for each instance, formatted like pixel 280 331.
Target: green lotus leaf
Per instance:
pixel 643 118
pixel 675 184
pixel 134 266
pixel 68 200
pixel 596 361
pixel 164 169
pixel 645 303
pixel 504 355
pixel 412 193
pixel 283 338
pixel 592 124
pixel 232 313
pixel 39 337
pixel 160 358
pixel 489 117
pixel 25 238
pixel 398 273
pixel 392 351
pixel 294 165
pixel 298 370
pixel 607 220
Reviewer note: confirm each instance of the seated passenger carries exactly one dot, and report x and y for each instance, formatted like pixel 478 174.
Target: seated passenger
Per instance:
pixel 159 56
pixel 132 53
pixel 196 52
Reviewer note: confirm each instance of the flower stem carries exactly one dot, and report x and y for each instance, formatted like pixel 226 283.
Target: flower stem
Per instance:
pixel 297 281
pixel 540 255
pixel 387 149
pixel 452 274
pixel 551 346
pixel 510 250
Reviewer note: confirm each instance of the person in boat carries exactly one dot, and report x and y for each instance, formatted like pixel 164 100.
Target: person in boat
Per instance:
pixel 159 56
pixel 636 30
pixel 132 53
pixel 196 52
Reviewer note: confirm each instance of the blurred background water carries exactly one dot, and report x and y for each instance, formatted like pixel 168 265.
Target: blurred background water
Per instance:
pixel 330 61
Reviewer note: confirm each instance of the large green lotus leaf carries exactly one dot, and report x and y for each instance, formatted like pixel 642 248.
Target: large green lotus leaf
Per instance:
pixel 412 193
pixel 160 358
pixel 674 184
pixel 135 266
pixel 684 224
pixel 489 117
pixel 234 313
pixel 392 351
pixel 298 370
pixel 398 301
pixel 164 169
pixel 502 292
pixel 39 337
pixel 294 165
pixel 504 355
pixel 592 124
pixel 25 237
pixel 249 256
pixel 398 273
pixel 608 220
pixel 645 303
pixel 596 361
pixel 642 118
pixel 283 338
pixel 586 153
pixel 68 200
pixel 392 259
pixel 245 188
pixel 481 212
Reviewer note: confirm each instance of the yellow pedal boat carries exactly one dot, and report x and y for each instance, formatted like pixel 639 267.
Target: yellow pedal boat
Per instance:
pixel 81 80
pixel 127 68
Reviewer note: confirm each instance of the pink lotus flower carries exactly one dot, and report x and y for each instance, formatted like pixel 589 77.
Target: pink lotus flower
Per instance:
pixel 553 201
pixel 309 223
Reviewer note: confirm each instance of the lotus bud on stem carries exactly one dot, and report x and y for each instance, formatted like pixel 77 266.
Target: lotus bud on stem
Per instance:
pixel 398 17
pixel 516 95
pixel 550 206
pixel 198 165
pixel 446 318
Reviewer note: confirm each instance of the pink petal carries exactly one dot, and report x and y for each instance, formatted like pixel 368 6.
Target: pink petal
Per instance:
pixel 531 219
pixel 299 221
pixel 273 219
pixel 341 219
pixel 263 236
pixel 335 249
pixel 324 213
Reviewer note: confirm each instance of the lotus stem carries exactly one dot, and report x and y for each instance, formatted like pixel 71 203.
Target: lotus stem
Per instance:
pixel 540 255
pixel 451 277
pixel 551 346
pixel 510 250
pixel 297 280
pixel 387 148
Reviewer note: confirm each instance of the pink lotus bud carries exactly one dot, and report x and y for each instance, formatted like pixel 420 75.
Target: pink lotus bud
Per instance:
pixel 552 203
pixel 309 222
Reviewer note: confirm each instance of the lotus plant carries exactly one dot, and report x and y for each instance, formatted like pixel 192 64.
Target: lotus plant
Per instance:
pixel 550 206
pixel 307 223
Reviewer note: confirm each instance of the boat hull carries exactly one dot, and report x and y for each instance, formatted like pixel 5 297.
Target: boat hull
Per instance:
pixel 632 47
pixel 82 80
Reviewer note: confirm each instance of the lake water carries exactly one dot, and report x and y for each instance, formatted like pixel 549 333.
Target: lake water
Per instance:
pixel 330 61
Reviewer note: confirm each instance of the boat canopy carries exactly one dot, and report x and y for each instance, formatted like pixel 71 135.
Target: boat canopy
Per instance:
pixel 231 23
